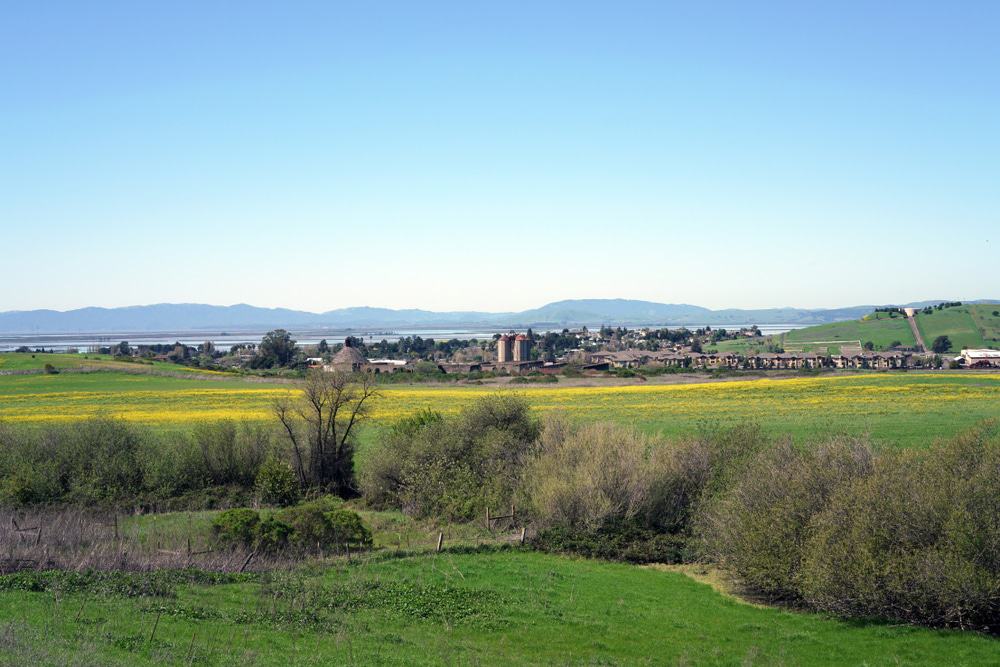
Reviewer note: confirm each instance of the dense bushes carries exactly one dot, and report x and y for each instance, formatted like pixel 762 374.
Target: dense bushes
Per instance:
pixel 232 453
pixel 314 527
pixel 625 541
pixel 589 476
pixel 109 461
pixel 96 460
pixel 585 476
pixel 758 526
pixel 913 536
pixel 838 526
pixel 455 467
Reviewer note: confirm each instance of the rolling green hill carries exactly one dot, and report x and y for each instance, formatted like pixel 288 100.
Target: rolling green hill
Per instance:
pixel 967 326
pixel 881 329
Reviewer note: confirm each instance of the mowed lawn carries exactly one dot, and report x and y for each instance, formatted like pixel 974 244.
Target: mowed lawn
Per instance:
pixel 900 408
pixel 487 608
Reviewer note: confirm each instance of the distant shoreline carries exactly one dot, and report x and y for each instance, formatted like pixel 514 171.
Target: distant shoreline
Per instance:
pixel 224 339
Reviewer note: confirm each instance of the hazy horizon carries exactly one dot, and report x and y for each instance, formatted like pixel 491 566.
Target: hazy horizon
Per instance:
pixel 487 310
pixel 460 157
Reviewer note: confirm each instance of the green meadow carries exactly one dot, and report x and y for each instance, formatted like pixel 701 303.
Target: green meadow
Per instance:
pixel 973 326
pixel 36 361
pixel 493 607
pixel 476 602
pixel 911 408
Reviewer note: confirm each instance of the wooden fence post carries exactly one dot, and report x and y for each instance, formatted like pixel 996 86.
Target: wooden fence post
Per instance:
pixel 440 540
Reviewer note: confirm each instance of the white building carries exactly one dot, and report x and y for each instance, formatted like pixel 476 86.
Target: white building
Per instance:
pixel 980 358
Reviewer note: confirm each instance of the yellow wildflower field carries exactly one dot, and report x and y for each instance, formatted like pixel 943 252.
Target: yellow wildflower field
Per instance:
pixel 906 407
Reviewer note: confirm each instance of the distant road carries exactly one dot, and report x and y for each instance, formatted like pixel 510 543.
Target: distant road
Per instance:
pixel 910 317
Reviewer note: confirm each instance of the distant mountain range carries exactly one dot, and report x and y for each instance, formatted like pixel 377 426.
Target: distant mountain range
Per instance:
pixel 200 317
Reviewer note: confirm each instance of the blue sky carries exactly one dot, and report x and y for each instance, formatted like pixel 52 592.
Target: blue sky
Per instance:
pixel 497 156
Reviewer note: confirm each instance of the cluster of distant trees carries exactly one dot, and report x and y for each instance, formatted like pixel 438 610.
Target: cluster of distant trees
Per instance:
pixel 277 350
pixel 554 344
pixel 941 306
pixel 413 347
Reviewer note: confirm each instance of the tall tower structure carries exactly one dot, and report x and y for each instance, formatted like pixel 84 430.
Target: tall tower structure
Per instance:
pixel 504 353
pixel 522 348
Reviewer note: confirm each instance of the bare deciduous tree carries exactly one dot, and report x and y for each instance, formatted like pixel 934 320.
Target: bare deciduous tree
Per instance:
pixel 320 426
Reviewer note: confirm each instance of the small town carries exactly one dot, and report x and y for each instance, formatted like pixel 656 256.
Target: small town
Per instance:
pixel 580 351
pixel 520 362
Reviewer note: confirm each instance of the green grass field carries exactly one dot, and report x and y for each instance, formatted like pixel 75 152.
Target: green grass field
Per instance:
pixel 899 408
pixel 509 607
pixel 879 328
pixel 18 361
pixel 966 326
pixel 972 326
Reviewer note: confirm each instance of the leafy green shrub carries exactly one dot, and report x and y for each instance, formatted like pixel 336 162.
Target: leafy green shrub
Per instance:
pixel 452 468
pixel 172 469
pixel 272 535
pixel 313 526
pixel 109 461
pixel 101 458
pixel 51 370
pixel 347 528
pixel 30 484
pixel 322 524
pixel 276 483
pixel 380 467
pixel 237 526
pixel 231 453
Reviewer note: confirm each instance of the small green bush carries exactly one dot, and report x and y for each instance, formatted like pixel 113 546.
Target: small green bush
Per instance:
pixel 322 524
pixel 347 528
pixel 237 526
pixel 272 535
pixel 276 483
pixel 452 468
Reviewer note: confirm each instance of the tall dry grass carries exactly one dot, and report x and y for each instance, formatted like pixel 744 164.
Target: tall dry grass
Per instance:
pixel 81 539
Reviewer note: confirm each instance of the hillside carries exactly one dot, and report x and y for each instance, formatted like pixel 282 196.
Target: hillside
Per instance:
pixel 976 325
pixel 203 317
pixel 969 325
